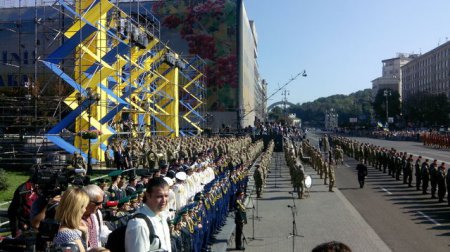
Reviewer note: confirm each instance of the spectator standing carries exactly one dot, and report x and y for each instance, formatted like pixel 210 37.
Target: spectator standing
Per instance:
pixel 20 208
pixel 98 231
pixel 138 233
pixel 69 213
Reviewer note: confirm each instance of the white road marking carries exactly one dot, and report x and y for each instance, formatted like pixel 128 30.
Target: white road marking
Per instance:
pixel 347 165
pixel 429 218
pixel 386 190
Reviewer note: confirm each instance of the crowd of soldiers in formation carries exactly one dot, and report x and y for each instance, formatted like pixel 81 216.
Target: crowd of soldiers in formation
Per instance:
pixel 294 163
pixel 435 140
pixel 323 161
pixel 397 163
pixel 125 153
pixel 262 170
pixel 204 175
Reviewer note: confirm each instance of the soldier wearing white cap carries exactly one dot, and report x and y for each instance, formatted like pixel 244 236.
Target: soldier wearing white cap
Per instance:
pixel 172 204
pixel 180 190
pixel 189 183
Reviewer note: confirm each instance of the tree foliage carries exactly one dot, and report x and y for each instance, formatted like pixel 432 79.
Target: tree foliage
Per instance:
pixel 276 114
pixel 427 110
pixel 393 104
pixel 357 105
pixel 3 180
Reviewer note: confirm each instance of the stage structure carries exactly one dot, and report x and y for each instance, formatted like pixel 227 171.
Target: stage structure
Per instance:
pixel 125 81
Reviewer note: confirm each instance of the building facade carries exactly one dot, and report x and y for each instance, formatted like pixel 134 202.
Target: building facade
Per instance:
pixel 391 74
pixel 428 73
pixel 218 31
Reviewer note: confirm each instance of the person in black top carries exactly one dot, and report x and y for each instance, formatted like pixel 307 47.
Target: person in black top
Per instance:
pixel 362 173
pixel 240 218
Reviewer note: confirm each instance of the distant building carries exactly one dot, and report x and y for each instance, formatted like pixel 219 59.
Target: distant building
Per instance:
pixel 331 119
pixel 428 73
pixel 392 75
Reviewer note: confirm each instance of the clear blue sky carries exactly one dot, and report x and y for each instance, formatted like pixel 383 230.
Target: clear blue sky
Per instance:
pixel 340 43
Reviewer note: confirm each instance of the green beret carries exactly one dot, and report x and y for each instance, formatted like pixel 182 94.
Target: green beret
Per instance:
pixel 176 220
pixel 183 211
pixel 139 190
pixel 124 200
pixel 133 197
pixel 115 173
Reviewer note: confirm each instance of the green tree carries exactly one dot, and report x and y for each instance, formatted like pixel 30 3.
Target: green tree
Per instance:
pixel 426 110
pixel 387 101
pixel 358 104
pixel 276 114
pixel 3 180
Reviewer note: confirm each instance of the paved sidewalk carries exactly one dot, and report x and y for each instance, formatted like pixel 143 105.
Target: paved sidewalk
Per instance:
pixel 321 217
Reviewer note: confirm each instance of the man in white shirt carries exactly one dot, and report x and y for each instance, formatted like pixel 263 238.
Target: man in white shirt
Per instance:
pixel 137 233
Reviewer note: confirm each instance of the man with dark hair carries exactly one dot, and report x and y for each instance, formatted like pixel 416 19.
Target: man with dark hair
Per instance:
pixel 362 173
pixel 333 246
pixel 441 182
pixel 138 233
pixel 20 208
pixel 433 178
pixel 418 173
pixel 425 176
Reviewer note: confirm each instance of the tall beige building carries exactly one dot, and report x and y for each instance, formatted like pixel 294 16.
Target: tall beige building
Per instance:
pixel 428 73
pixel 392 75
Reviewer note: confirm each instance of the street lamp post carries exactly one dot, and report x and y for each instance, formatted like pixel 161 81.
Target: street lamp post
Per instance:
pixel 387 93
pixel 91 97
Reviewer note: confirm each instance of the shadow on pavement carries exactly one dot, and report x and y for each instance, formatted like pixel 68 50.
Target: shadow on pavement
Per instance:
pixel 420 206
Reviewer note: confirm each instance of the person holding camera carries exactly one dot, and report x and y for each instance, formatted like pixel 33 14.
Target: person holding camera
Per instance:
pixel 72 229
pixel 20 208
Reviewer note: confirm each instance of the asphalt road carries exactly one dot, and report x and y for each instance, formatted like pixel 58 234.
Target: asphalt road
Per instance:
pixel 405 219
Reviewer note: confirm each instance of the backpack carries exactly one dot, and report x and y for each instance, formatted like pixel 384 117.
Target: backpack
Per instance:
pixel 116 239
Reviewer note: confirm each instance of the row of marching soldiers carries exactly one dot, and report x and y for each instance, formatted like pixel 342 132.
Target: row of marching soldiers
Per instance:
pixel 324 163
pixel 262 170
pixel 194 224
pixel 435 140
pixel 398 163
pixel 296 152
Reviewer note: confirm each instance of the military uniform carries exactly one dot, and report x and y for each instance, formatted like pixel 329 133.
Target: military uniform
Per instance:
pixel 425 174
pixel 418 173
pixel 258 178
pixel 331 176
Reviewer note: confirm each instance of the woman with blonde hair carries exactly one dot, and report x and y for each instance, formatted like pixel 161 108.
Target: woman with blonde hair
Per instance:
pixel 69 214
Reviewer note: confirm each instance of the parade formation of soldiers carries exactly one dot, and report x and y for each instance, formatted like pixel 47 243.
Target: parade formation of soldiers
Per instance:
pixel 427 173
pixel 204 176
pixel 262 170
pixel 435 140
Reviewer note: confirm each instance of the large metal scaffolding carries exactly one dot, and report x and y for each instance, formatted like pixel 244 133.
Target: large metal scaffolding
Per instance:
pixel 112 75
